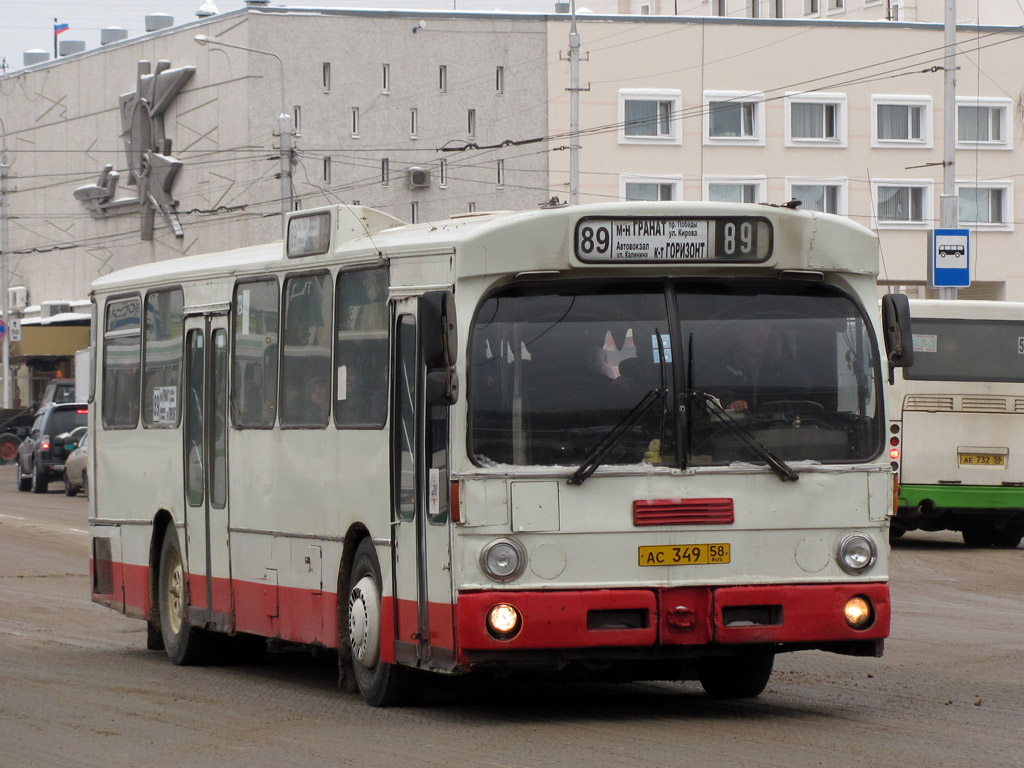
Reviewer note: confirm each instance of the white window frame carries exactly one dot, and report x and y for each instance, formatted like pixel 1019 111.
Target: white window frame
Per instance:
pixel 836 99
pixel 675 180
pixel 926 140
pixel 414 212
pixel 812 8
pixel 385 78
pixel 414 122
pixel 443 174
pixel 442 78
pixel 834 7
pixel 385 171
pixel 1003 185
pixel 1005 107
pixel 355 122
pixel 327 76
pixel 719 8
pixel 327 169
pixel 471 123
pixel 841 183
pixel 501 173
pixel 297 120
pixel 499 80
pixel 776 9
pixel 675 100
pixel 756 139
pixel 759 182
pixel 927 204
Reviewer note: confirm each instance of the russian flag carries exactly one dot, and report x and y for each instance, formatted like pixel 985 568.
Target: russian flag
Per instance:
pixel 58 28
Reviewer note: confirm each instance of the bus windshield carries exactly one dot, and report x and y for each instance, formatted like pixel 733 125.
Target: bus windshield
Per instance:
pixel 943 346
pixel 553 368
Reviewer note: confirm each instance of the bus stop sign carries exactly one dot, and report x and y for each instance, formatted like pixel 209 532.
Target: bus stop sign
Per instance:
pixel 949 263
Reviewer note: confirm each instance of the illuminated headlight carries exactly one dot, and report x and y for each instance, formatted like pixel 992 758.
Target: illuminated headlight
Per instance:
pixel 859 613
pixel 856 553
pixel 504 621
pixel 503 559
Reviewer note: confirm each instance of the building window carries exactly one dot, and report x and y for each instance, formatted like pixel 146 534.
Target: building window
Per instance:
pixel 986 206
pixel 822 195
pixel 777 9
pixel 650 187
pixel 733 117
pixel 902 203
pixel 327 170
pixel 443 173
pixel 327 76
pixel 499 79
pixel 816 119
pixel 719 8
pixel 727 189
pixel 645 9
pixel 414 212
pixel 501 173
pixel 810 7
pixel 835 5
pixel 442 78
pixel 984 123
pixel 471 123
pixel 901 121
pixel 385 78
pixel 385 172
pixel 471 207
pixel 650 116
pixel 355 122
pixel 413 122
pixel 297 119
pixel 754 11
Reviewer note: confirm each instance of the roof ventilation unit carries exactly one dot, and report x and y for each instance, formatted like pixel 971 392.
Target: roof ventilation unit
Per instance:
pixel 35 56
pixel 158 21
pixel 110 35
pixel 52 308
pixel 419 178
pixel 71 47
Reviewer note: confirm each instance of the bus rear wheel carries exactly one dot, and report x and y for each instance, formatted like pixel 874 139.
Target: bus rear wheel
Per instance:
pixel 736 677
pixel 185 644
pixel 380 684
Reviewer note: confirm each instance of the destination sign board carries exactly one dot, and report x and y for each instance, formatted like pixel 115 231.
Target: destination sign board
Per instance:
pixel 673 239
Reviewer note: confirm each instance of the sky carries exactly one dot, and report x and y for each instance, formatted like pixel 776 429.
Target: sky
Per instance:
pixel 28 24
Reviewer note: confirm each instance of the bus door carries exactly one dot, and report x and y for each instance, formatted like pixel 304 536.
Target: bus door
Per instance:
pixel 421 553
pixel 206 482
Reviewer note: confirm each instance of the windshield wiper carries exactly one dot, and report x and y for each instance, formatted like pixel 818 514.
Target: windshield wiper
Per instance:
pixel 597 454
pixel 713 407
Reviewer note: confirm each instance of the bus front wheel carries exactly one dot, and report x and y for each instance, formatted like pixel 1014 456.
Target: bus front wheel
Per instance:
pixel 736 677
pixel 185 644
pixel 381 684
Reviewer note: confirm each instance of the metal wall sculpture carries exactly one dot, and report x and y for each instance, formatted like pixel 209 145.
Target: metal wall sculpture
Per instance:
pixel 151 167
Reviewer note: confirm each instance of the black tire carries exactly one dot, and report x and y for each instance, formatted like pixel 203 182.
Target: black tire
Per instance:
pixel 39 482
pixel 381 684
pixel 737 677
pixel 185 645
pixel 8 448
pixel 978 537
pixel 24 483
pixel 85 484
pixel 69 489
pixel 1008 538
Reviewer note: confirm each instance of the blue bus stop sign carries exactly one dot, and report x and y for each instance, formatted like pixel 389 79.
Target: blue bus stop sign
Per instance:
pixel 949 263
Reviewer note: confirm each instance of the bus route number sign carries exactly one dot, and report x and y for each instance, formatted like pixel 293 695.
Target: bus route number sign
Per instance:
pixel 667 239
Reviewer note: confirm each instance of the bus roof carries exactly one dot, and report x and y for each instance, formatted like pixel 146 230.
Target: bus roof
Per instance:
pixel 508 241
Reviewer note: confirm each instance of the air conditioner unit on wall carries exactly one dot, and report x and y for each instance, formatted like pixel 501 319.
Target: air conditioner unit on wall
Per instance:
pixel 419 178
pixel 17 297
pixel 52 308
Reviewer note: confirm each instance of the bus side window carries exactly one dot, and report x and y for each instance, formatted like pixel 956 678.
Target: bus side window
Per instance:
pixel 361 349
pixel 254 379
pixel 306 362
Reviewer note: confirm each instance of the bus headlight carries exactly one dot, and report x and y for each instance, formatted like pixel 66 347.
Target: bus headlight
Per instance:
pixel 856 553
pixel 859 613
pixel 503 559
pixel 504 621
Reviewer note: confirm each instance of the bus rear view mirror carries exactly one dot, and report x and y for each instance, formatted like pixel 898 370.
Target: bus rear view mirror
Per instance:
pixel 896 329
pixel 442 387
pixel 439 337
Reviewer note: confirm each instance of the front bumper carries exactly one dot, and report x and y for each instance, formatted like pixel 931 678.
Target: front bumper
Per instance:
pixel 806 615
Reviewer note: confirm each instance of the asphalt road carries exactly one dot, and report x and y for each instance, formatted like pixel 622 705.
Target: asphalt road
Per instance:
pixel 78 687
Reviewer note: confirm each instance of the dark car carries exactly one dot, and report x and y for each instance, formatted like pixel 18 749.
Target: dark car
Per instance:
pixel 53 436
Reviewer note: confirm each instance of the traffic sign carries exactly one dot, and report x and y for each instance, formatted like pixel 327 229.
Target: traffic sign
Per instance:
pixel 949 262
pixel 3 329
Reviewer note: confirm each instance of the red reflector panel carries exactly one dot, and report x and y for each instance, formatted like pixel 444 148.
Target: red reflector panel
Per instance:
pixel 682 512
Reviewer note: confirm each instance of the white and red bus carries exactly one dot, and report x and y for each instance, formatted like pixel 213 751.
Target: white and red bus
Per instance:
pixel 642 438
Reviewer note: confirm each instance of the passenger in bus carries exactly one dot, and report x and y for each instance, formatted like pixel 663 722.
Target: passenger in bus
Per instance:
pixel 318 400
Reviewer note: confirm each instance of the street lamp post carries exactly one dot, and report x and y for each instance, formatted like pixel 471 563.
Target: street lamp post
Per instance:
pixel 284 122
pixel 3 250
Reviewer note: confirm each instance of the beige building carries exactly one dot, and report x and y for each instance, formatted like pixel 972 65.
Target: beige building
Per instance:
pixel 845 116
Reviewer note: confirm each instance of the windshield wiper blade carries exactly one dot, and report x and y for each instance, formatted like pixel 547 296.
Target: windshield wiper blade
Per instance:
pixel 597 454
pixel 713 407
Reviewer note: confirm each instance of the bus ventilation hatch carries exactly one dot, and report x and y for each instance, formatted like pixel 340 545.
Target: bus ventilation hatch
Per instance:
pixel 683 512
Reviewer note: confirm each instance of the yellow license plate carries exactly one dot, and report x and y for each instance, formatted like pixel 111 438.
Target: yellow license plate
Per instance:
pixel 983 459
pixel 684 554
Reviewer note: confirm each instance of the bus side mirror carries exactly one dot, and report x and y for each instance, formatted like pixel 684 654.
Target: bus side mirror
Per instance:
pixel 442 387
pixel 896 330
pixel 439 336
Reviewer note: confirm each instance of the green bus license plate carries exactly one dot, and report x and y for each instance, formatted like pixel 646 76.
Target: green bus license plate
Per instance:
pixel 983 459
pixel 684 554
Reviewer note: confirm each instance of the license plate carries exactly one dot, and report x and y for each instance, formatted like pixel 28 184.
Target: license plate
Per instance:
pixel 983 459
pixel 684 554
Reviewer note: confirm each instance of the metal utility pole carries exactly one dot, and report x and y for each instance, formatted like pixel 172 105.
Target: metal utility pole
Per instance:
pixel 3 249
pixel 574 109
pixel 949 208
pixel 284 123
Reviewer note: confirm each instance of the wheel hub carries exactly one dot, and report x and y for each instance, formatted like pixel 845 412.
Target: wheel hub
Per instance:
pixel 364 622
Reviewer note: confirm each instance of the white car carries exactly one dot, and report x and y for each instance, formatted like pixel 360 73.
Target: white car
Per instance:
pixel 75 476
